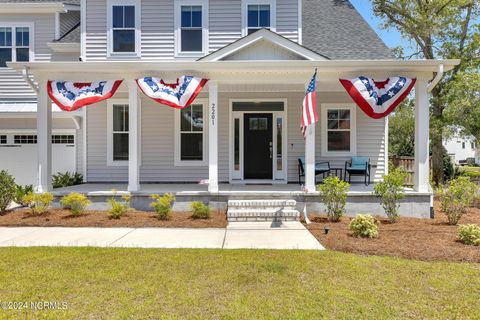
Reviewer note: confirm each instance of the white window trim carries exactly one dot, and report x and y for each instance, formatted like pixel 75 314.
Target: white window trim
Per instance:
pixel 353 129
pixel 138 31
pixel 185 163
pixel 273 14
pixel 31 40
pixel 178 33
pixel 110 161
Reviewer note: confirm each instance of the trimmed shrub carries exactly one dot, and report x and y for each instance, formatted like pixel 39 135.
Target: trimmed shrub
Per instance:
pixel 469 234
pixel 334 194
pixel 21 192
pixel 391 191
pixel 119 208
pixel 76 202
pixel 455 199
pixel 364 226
pixel 7 190
pixel 38 202
pixel 66 179
pixel 163 205
pixel 200 210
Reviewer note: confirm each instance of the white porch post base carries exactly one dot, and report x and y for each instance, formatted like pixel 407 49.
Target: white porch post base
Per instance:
pixel 213 136
pixel 422 127
pixel 133 137
pixel 44 139
pixel 310 159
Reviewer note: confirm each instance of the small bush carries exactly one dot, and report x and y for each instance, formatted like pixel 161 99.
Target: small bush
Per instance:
pixel 163 205
pixel 469 234
pixel 334 194
pixel 38 202
pixel 21 192
pixel 200 210
pixel 457 197
pixel 118 208
pixel 391 191
pixel 76 202
pixel 66 179
pixel 364 226
pixel 7 190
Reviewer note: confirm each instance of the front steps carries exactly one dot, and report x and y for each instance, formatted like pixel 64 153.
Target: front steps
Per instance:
pixel 262 210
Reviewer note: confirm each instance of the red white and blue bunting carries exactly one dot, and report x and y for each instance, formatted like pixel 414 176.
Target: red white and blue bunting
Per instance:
pixel 177 95
pixel 70 96
pixel 378 98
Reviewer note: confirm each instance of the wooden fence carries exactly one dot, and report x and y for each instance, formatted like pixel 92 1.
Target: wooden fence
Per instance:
pixel 407 164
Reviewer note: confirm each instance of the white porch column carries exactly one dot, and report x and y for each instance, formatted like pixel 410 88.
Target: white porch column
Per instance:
pixel 422 127
pixel 212 136
pixel 310 159
pixel 133 137
pixel 44 138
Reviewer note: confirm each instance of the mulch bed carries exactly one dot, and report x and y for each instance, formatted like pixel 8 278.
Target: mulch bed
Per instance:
pixel 133 219
pixel 422 239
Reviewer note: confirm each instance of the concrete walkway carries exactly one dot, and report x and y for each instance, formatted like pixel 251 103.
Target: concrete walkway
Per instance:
pixel 249 235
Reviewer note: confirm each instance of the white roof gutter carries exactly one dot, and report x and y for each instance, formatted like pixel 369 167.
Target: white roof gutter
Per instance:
pixel 437 78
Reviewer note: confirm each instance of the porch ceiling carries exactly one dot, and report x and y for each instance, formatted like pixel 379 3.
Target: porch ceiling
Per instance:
pixel 235 71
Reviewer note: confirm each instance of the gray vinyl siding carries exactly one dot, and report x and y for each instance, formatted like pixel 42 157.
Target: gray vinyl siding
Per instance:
pixel 12 86
pixel 157 136
pixel 157 24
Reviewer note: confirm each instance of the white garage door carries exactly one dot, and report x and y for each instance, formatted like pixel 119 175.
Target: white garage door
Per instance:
pixel 18 155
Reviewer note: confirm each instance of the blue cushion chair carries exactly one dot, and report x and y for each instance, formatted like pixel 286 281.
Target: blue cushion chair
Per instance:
pixel 358 166
pixel 320 168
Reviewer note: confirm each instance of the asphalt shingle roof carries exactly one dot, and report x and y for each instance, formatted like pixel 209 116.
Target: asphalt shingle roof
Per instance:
pixel 335 29
pixel 77 2
pixel 72 36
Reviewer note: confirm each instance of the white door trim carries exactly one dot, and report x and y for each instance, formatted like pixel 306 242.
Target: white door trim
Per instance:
pixel 277 176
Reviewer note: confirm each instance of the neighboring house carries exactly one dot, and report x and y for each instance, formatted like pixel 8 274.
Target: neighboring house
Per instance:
pixel 258 56
pixel 35 31
pixel 462 149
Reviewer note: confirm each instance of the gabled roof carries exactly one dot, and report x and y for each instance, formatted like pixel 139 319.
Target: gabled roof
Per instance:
pixel 335 28
pixel 263 38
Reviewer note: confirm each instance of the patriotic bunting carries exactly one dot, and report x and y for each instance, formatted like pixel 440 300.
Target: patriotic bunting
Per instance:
pixel 70 96
pixel 378 98
pixel 178 95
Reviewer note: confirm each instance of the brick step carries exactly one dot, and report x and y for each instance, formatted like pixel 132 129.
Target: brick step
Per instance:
pixel 262 210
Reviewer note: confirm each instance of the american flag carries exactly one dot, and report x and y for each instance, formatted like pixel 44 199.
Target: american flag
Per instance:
pixel 309 109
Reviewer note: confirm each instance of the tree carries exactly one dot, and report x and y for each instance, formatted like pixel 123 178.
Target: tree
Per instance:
pixel 401 130
pixel 441 29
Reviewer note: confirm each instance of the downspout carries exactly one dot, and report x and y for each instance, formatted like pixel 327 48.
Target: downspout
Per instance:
pixel 430 87
pixel 26 77
pixel 437 78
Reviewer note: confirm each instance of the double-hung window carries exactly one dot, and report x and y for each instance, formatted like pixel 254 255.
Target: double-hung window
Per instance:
pixel 14 44
pixel 117 132
pixel 190 135
pixel 191 27
pixel 124 31
pixel 258 14
pixel 338 134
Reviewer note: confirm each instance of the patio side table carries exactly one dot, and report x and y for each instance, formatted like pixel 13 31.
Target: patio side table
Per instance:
pixel 338 172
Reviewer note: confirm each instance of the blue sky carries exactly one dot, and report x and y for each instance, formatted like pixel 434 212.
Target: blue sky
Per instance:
pixel 391 36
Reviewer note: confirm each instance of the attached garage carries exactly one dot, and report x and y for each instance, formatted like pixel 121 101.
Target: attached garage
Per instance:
pixel 18 154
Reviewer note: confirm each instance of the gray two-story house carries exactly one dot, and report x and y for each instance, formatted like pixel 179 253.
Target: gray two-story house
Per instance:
pixel 242 133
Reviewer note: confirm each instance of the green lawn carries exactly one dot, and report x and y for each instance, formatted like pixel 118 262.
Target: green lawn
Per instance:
pixel 239 284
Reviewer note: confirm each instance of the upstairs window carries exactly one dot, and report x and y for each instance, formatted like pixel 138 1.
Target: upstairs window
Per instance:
pixel 258 17
pixel 14 44
pixel 123 28
pixel 191 29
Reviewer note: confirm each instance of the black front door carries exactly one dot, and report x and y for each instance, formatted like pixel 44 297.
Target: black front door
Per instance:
pixel 258 146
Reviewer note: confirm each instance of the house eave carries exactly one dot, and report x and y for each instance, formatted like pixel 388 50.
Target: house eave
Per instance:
pixel 47 7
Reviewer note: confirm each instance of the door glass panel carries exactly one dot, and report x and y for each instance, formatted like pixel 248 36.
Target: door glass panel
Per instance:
pixel 236 146
pixel 279 144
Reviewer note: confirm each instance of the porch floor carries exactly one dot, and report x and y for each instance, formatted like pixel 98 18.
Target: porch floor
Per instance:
pixel 197 189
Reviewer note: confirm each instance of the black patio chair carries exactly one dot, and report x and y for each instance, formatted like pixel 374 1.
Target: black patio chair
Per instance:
pixel 320 168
